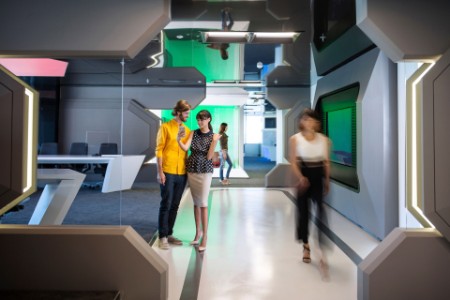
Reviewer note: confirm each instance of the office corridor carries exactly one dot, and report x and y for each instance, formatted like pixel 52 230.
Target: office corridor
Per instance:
pixel 252 252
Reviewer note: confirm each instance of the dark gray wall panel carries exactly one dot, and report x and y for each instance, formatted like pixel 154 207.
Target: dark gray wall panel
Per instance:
pixel 284 76
pixel 18 139
pixel 50 28
pixel 408 264
pixel 349 46
pixel 436 159
pixel 81 258
pixel 406 30
pixel 298 54
pixel 287 97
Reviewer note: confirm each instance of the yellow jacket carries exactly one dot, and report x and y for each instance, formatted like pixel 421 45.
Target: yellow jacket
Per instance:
pixel 167 148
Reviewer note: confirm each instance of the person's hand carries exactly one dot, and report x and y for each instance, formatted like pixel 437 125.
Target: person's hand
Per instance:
pixel 216 137
pixel 303 183
pixel 326 187
pixel 224 154
pixel 180 135
pixel 161 177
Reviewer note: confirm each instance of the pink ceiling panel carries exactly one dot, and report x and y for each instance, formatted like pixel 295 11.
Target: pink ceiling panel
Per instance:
pixel 35 66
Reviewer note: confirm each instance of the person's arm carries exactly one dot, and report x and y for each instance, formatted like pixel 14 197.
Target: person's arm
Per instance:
pixel 223 147
pixel 160 144
pixel 160 176
pixel 187 144
pixel 224 153
pixel 213 46
pixel 212 147
pixel 294 162
pixel 326 166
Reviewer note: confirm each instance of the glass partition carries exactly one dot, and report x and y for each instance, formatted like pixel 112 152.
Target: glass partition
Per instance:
pixel 97 132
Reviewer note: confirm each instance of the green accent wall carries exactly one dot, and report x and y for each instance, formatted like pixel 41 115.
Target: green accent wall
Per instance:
pixel 192 53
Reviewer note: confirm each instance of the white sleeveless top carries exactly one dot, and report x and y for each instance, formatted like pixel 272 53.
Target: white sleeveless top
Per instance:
pixel 311 151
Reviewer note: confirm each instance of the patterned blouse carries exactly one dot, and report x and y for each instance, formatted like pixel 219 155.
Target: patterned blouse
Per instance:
pixel 197 162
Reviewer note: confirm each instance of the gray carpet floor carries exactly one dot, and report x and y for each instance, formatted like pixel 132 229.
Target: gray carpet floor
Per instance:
pixel 137 207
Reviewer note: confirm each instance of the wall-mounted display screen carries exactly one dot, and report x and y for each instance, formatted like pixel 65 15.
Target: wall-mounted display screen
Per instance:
pixel 338 111
pixel 270 122
pixel 339 130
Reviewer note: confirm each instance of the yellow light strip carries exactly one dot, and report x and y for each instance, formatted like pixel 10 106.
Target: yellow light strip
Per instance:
pixel 161 51
pixel 414 175
pixel 29 140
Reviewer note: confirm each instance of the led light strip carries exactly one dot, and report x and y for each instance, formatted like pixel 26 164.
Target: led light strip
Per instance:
pixel 29 140
pixel 248 37
pixel 161 51
pixel 414 163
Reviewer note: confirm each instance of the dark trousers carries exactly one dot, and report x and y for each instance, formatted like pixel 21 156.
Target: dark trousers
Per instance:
pixel 227 20
pixel 315 193
pixel 171 194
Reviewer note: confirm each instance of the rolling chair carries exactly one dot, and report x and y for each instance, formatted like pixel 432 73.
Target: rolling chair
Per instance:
pixel 79 149
pixel 48 149
pixel 105 149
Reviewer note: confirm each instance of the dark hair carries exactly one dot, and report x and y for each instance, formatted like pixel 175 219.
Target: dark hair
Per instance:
pixel 181 106
pixel 308 113
pixel 223 126
pixel 203 115
pixel 223 51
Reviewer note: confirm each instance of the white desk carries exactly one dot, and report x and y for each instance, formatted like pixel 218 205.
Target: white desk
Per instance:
pixel 120 172
pixel 62 185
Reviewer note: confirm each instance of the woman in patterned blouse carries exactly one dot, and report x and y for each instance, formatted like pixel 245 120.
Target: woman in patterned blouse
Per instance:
pixel 199 167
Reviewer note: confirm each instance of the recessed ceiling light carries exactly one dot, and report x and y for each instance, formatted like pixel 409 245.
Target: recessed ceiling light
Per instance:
pixel 180 36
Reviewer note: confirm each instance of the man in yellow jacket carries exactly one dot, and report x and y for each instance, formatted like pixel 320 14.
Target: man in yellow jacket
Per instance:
pixel 172 178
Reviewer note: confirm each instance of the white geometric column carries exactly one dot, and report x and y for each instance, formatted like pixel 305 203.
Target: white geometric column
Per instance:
pixel 57 196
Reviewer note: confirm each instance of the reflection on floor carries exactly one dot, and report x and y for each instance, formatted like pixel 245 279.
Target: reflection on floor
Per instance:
pixel 252 252
pixel 234 173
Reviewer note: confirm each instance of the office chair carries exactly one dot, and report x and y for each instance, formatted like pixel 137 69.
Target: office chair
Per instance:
pixel 48 149
pixel 79 149
pixel 105 148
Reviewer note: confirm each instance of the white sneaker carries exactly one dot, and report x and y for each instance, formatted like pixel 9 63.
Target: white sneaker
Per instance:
pixel 163 243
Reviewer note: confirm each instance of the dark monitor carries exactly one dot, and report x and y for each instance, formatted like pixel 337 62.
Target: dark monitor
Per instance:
pixel 270 123
pixel 339 120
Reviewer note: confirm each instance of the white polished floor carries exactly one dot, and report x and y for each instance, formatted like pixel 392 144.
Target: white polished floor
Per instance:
pixel 252 252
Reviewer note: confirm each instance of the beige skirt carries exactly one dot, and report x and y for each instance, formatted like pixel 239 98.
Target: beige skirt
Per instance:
pixel 200 184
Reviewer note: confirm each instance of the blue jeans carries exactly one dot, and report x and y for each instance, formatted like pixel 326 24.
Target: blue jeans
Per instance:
pixel 171 194
pixel 222 165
